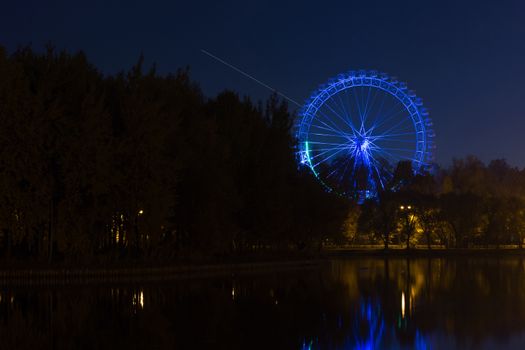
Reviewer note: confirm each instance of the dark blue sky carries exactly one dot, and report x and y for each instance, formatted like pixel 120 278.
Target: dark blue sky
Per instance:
pixel 466 59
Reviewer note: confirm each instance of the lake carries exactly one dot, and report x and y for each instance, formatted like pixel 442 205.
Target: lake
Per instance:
pixel 364 303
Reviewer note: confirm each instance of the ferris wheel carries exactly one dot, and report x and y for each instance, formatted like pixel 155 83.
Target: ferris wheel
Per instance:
pixel 354 130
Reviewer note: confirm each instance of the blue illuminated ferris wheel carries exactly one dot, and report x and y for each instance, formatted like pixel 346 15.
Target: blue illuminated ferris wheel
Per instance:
pixel 354 130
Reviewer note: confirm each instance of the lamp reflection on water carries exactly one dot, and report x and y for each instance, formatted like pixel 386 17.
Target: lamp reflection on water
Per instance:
pixel 138 300
pixel 403 304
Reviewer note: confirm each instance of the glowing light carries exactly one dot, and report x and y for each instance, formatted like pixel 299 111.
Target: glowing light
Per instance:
pixel 138 300
pixel 307 153
pixel 368 317
pixel 141 212
pixel 307 346
pixel 402 207
pixel 364 145
pixel 403 304
pixel 233 293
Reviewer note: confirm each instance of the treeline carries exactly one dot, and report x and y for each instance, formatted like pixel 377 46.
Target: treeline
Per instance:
pixel 143 166
pixel 140 166
pixel 468 205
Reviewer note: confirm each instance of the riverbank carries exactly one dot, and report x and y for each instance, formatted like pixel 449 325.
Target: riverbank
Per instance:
pixel 130 274
pixel 423 252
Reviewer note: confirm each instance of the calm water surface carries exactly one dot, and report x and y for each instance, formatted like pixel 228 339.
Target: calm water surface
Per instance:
pixel 370 303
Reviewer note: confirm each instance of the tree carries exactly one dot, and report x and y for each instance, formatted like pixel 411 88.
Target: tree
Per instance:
pixel 464 214
pixel 380 217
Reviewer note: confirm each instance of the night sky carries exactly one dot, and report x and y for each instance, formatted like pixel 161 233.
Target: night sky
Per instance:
pixel 466 59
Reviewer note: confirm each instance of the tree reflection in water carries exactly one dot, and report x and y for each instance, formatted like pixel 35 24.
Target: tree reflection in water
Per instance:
pixel 370 303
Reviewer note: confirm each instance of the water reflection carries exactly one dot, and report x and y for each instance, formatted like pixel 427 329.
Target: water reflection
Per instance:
pixel 369 327
pixel 347 304
pixel 369 331
pixel 138 300
pixel 403 304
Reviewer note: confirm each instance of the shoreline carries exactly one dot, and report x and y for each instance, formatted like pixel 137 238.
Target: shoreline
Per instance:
pixel 424 252
pixel 131 274
pixel 51 275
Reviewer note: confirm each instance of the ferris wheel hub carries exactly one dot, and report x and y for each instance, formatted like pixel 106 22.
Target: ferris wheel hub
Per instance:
pixel 362 143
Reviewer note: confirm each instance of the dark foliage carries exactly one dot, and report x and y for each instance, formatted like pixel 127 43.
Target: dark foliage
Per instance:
pixel 468 205
pixel 142 166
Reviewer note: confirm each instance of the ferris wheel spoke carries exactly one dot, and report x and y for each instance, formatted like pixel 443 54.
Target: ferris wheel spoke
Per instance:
pixel 331 173
pixel 337 169
pixel 329 157
pixel 358 104
pixel 379 177
pixel 325 151
pixel 338 104
pixel 342 169
pixel 327 135
pixel 353 173
pixel 381 105
pixel 372 102
pixel 392 147
pixel 327 148
pixel 382 152
pixel 339 116
pixel 354 117
pixel 347 112
pixel 379 164
pixel 350 105
pixel 365 113
pixel 349 160
pixel 329 128
pixel 394 142
pixel 335 105
pixel 397 125
pixel 382 120
pixel 343 177
pixel 373 166
pixel 327 143
pixel 321 151
pixel 397 149
pixel 362 103
pixel 389 136
pixel 394 105
pixel 383 116
pixel 331 121
pixel 395 157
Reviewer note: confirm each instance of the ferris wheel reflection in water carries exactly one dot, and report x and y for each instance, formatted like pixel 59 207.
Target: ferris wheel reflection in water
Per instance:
pixel 369 330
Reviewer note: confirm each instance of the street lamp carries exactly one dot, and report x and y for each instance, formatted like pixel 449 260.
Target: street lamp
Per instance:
pixel 409 221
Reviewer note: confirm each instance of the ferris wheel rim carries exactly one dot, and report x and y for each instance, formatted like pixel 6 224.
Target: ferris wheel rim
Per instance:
pixel 423 151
